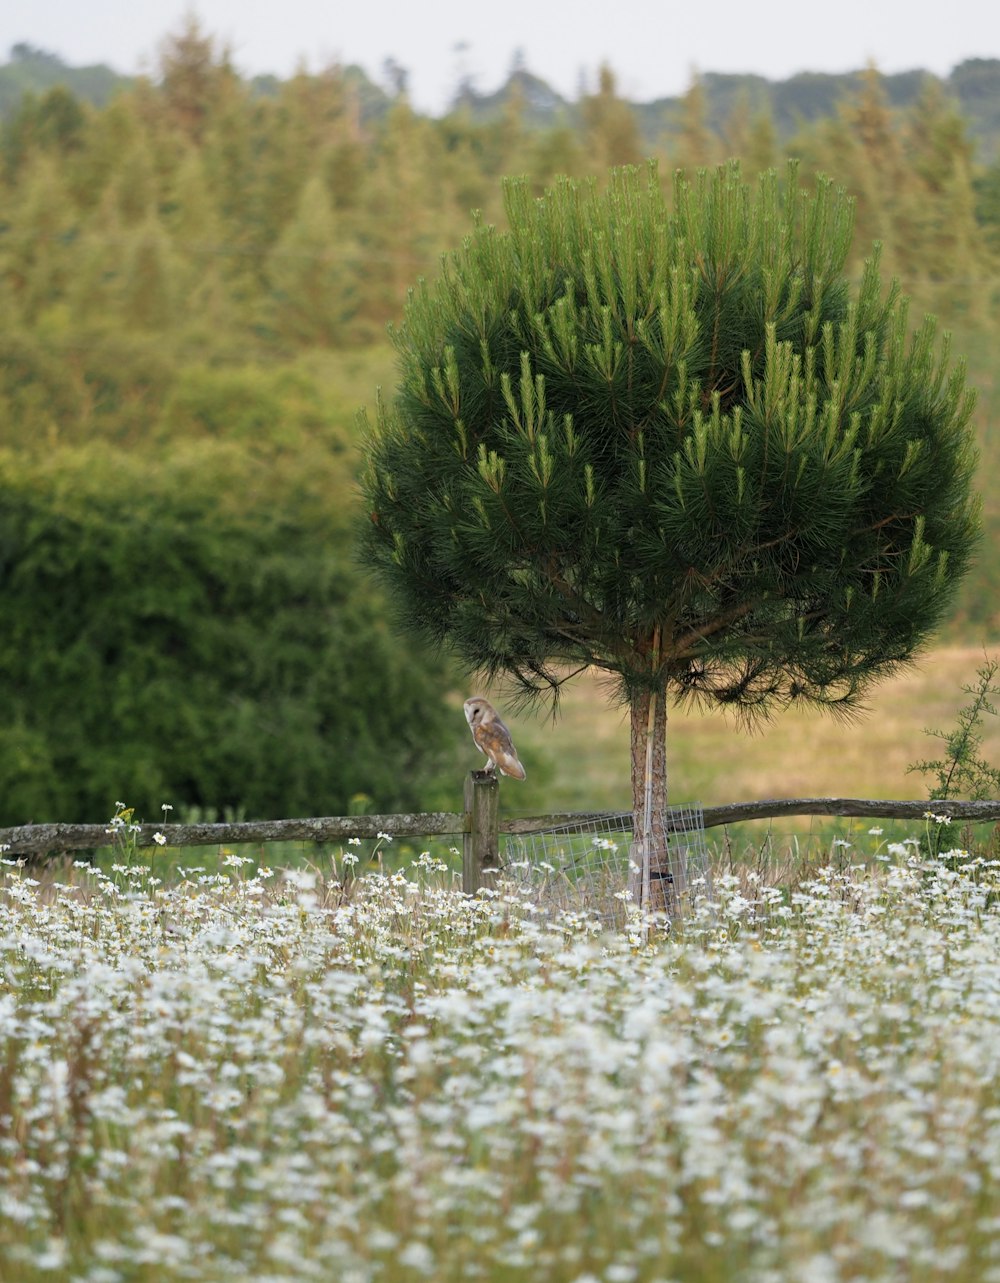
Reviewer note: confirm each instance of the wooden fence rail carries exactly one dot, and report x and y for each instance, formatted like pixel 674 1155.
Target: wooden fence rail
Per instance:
pixel 39 839
pixel 479 825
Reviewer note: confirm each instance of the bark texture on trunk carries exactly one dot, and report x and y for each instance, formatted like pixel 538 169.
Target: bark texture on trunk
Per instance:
pixel 648 739
pixel 639 710
pixel 639 715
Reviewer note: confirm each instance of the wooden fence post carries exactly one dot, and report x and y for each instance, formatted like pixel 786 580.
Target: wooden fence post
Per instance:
pixel 481 841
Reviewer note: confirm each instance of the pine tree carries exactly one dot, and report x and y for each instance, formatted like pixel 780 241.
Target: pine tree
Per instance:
pixel 313 273
pixel 112 134
pixel 750 134
pixel 36 255
pixel 54 122
pixel 940 155
pixel 863 148
pixel 404 209
pixel 668 443
pixel 611 133
pixel 147 285
pixel 696 145
pixel 134 186
pixel 197 238
pixel 196 77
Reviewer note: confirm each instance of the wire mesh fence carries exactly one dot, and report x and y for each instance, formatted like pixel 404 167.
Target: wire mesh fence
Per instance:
pixel 597 866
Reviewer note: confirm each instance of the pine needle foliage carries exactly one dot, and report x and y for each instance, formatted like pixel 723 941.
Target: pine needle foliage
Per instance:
pixel 659 433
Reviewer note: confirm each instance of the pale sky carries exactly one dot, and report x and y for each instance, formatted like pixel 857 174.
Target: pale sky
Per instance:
pixel 652 45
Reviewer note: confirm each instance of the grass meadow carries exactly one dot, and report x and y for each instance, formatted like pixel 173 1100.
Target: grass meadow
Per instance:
pixel 269 1075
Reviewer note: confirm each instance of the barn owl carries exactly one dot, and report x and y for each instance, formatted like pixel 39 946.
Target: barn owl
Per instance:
pixel 492 737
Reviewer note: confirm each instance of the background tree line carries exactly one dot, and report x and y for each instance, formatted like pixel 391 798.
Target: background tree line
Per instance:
pixel 199 205
pixel 196 272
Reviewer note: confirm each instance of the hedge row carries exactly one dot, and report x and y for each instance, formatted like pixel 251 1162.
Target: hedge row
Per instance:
pixel 190 629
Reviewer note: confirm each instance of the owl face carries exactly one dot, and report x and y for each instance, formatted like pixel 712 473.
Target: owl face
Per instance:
pixel 478 710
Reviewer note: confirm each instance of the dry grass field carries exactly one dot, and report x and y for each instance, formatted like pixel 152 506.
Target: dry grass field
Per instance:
pixel 714 760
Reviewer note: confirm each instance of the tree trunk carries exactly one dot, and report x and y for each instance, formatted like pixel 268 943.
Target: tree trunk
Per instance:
pixel 649 879
pixel 639 709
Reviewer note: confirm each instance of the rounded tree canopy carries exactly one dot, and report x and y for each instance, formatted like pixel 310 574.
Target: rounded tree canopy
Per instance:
pixel 664 436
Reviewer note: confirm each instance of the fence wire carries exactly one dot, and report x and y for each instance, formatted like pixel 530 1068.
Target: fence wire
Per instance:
pixel 597 866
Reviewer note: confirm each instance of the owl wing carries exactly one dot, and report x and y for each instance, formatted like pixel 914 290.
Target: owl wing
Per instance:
pixel 494 740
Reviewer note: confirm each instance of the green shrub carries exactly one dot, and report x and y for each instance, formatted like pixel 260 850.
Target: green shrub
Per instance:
pixel 192 631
